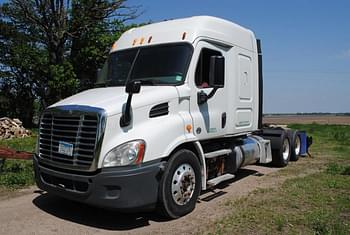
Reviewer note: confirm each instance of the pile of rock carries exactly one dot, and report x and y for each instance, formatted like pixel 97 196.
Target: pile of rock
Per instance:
pixel 12 128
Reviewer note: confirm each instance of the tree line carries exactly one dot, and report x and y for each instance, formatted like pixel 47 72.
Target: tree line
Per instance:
pixel 51 49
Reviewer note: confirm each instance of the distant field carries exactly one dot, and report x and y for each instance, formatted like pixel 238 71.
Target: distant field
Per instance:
pixel 307 119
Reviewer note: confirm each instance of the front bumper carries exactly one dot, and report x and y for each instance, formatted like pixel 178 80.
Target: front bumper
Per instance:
pixel 121 188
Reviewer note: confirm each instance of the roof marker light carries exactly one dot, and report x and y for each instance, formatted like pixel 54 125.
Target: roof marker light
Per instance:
pixel 150 39
pixel 142 40
pixel 183 35
pixel 114 46
pixel 134 42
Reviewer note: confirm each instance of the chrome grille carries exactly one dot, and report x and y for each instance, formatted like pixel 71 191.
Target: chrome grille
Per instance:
pixel 77 128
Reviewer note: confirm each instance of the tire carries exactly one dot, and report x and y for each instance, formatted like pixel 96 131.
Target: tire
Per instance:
pixel 280 146
pixel 182 166
pixel 295 145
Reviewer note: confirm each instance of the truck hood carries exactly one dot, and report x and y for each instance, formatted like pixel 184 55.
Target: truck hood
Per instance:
pixel 112 99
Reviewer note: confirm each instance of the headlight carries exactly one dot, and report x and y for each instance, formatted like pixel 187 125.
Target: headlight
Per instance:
pixel 126 154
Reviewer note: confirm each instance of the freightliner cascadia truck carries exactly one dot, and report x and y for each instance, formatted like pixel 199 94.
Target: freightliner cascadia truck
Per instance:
pixel 178 110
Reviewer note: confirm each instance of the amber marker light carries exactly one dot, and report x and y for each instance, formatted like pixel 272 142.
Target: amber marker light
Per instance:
pixel 189 128
pixel 142 40
pixel 114 46
pixel 183 35
pixel 140 154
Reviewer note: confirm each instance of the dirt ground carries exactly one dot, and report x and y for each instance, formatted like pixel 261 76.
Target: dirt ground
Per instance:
pixel 36 212
pixel 307 119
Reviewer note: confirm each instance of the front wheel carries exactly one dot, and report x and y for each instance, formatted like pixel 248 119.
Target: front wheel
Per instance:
pixel 180 184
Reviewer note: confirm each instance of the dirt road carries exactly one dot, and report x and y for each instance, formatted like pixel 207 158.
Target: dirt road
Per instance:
pixel 40 213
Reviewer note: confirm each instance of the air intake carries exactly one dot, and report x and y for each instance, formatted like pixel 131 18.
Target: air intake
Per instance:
pixel 159 110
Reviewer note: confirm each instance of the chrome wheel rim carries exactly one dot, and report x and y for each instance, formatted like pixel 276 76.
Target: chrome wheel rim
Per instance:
pixel 183 184
pixel 285 149
pixel 297 146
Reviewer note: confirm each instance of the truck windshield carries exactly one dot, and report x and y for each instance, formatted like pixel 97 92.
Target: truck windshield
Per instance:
pixel 156 65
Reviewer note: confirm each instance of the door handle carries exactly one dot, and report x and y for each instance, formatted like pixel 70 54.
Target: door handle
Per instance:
pixel 223 120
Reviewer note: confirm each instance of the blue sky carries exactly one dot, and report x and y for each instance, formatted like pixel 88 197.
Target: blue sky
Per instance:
pixel 306 46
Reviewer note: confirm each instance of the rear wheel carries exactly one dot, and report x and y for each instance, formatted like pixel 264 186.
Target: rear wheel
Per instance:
pixel 280 146
pixel 286 150
pixel 295 145
pixel 180 184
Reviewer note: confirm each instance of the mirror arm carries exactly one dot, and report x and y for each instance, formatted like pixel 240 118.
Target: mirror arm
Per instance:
pixel 125 119
pixel 212 93
pixel 202 97
pixel 131 88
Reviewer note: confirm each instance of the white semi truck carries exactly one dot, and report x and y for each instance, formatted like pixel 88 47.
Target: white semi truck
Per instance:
pixel 178 110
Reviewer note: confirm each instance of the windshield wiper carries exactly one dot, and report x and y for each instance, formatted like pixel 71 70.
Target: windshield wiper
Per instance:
pixel 98 85
pixel 149 81
pixel 112 82
pixel 132 66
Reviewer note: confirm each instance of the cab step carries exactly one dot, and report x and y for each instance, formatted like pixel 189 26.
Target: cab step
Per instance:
pixel 217 153
pixel 219 179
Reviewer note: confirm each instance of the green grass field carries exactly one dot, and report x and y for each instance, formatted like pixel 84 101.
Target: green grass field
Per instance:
pixel 318 203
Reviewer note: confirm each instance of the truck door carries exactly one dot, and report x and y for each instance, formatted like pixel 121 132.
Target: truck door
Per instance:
pixel 209 118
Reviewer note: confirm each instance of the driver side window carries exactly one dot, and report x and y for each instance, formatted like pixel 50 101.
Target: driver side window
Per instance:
pixel 203 65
